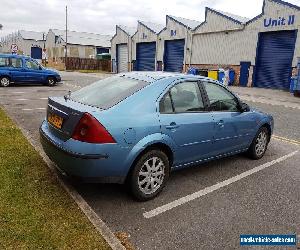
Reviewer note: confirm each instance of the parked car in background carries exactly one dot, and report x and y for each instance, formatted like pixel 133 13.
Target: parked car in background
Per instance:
pixel 139 126
pixel 23 69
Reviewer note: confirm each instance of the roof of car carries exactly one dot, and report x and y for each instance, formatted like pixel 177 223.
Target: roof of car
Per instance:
pixel 13 56
pixel 152 76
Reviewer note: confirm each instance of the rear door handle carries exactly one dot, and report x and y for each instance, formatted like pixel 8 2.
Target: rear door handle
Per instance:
pixel 172 125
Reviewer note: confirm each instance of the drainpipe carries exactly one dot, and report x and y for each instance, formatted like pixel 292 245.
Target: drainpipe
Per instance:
pixel 191 48
pixel 185 49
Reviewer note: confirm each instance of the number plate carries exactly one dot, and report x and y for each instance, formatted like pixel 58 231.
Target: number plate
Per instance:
pixel 55 120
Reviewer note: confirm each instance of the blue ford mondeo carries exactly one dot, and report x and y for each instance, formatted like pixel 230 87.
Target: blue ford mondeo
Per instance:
pixel 138 127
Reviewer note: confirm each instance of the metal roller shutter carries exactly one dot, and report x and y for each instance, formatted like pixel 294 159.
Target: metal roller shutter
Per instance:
pixel 173 55
pixel 274 59
pixel 122 58
pixel 145 56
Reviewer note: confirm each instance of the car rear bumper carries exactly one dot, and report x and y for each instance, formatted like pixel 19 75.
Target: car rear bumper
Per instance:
pixel 87 167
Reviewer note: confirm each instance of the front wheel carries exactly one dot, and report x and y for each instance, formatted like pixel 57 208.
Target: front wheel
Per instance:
pixel 259 145
pixel 4 81
pixel 149 175
pixel 51 81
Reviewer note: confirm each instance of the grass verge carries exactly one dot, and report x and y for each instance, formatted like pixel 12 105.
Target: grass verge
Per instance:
pixel 35 212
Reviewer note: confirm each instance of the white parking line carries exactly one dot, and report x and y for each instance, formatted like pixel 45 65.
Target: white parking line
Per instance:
pixel 34 109
pixel 18 92
pixel 205 191
pixel 24 99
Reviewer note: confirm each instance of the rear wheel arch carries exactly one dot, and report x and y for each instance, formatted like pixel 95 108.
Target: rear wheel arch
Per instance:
pixel 155 146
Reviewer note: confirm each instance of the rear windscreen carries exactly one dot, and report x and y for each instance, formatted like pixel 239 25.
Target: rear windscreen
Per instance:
pixel 108 92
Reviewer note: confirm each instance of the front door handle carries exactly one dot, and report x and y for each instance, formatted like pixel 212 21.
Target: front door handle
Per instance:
pixel 172 125
pixel 220 123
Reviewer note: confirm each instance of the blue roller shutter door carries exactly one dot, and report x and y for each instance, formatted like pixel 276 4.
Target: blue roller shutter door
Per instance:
pixel 274 59
pixel 174 55
pixel 36 53
pixel 145 56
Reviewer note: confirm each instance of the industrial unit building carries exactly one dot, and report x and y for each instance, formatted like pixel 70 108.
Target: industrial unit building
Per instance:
pixel 173 43
pixel 29 43
pixel 144 46
pixel 263 51
pixel 80 44
pixel 121 48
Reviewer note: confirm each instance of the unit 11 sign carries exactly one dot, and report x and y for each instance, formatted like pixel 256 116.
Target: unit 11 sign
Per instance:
pixel 281 21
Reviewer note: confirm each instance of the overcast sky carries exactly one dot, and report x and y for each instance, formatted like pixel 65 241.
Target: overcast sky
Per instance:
pixel 101 16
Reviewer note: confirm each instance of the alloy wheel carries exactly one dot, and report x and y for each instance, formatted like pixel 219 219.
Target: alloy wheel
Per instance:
pixel 151 175
pixel 4 82
pixel 261 143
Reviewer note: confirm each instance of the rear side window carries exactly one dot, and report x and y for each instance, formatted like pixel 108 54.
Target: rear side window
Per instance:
pixel 108 92
pixel 4 61
pixel 183 97
pixel 16 62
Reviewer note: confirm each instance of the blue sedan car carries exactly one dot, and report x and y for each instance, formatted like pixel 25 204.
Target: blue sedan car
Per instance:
pixel 138 127
pixel 15 68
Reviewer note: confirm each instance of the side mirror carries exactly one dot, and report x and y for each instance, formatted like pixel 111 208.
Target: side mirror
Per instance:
pixel 244 107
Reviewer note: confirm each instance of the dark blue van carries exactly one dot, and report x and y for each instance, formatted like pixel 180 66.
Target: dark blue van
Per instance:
pixel 15 68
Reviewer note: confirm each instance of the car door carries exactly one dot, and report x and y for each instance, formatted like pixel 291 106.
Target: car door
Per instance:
pixel 33 71
pixel 233 128
pixel 184 119
pixel 17 71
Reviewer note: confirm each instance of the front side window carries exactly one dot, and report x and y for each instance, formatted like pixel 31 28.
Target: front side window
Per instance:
pixel 183 97
pixel 220 99
pixel 32 65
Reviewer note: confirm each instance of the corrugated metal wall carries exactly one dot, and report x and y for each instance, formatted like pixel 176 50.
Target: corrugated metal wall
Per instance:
pixel 232 47
pixel 216 22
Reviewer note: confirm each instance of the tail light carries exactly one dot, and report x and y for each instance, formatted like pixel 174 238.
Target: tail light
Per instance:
pixel 91 130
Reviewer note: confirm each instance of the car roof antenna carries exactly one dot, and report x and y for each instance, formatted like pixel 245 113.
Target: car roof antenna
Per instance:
pixel 67 96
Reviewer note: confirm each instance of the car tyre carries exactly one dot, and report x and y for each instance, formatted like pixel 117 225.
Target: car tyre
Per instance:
pixel 259 144
pixel 4 81
pixel 51 81
pixel 149 175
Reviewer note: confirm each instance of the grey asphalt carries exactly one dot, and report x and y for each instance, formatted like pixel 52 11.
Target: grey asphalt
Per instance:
pixel 266 202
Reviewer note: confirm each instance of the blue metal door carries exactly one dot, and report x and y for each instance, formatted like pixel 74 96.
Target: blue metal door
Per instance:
pixel 174 55
pixel 145 56
pixel 102 50
pixel 36 53
pixel 244 73
pixel 273 68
